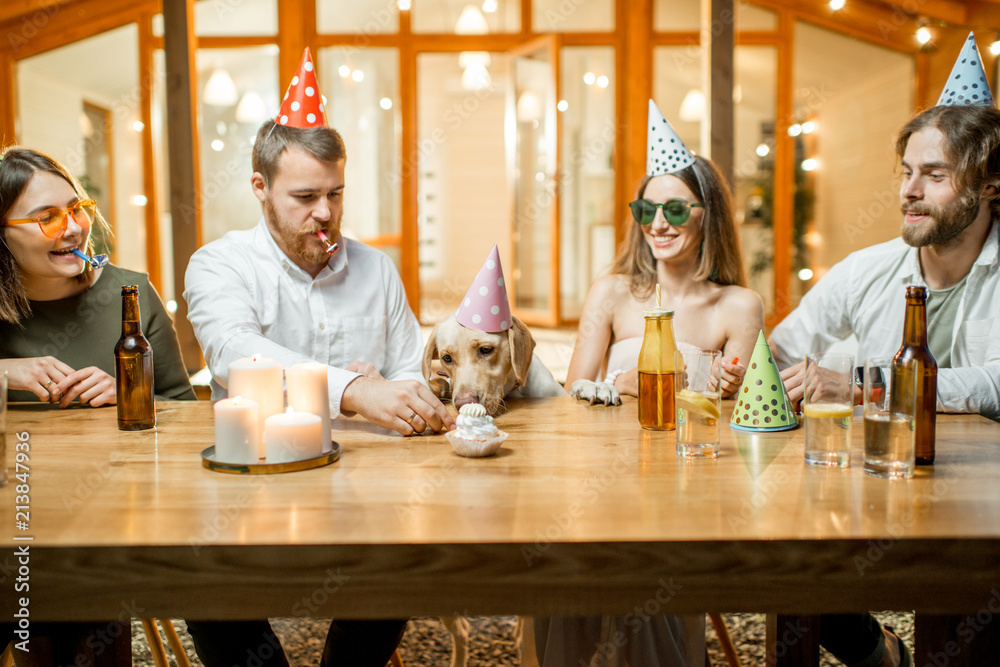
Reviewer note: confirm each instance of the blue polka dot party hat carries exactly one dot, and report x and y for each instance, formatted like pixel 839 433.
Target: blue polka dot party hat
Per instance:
pixel 762 403
pixel 665 152
pixel 967 84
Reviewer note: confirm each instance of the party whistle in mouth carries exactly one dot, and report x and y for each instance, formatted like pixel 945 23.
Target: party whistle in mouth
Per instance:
pixel 330 247
pixel 95 262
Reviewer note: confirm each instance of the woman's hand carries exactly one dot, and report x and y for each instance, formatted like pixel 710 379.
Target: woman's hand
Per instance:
pixel 627 383
pixel 91 385
pixel 732 377
pixel 42 376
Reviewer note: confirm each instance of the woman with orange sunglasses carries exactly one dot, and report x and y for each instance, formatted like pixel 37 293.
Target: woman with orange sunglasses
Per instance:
pixel 60 315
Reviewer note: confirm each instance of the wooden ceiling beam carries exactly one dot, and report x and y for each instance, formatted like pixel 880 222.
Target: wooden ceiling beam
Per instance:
pixel 949 11
pixel 68 22
pixel 30 9
pixel 868 20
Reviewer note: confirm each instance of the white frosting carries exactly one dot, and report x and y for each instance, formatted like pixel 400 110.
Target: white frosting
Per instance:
pixel 474 423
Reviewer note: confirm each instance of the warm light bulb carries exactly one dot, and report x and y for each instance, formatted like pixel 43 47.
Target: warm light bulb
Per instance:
pixel 602 81
pixel 344 71
pixel 404 5
pixel 810 164
pixel 923 34
pixel 808 127
pixel 794 130
pixel 805 274
pixel 837 4
pixel 358 75
pixel 763 149
pixel 385 103
pixel 589 78
pixel 563 105
pixel 138 126
pixel 140 200
pixel 995 48
pixel 218 145
pixel 489 6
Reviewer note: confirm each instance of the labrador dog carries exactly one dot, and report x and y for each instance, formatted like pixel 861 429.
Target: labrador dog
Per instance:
pixel 486 368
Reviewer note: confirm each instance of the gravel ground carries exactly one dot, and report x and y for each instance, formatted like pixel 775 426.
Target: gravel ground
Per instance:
pixel 428 644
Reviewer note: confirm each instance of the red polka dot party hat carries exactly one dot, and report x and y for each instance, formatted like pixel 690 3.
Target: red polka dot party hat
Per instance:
pixel 303 105
pixel 485 306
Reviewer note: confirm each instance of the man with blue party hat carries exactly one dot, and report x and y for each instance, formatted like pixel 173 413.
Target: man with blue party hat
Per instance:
pixel 950 243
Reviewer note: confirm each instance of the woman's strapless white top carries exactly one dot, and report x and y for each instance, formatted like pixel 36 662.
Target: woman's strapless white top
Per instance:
pixel 624 354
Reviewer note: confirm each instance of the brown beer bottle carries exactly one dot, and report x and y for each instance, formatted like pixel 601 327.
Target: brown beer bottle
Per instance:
pixel 133 368
pixel 915 347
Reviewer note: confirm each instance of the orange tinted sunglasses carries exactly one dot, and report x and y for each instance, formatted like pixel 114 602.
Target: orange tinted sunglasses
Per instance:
pixel 53 221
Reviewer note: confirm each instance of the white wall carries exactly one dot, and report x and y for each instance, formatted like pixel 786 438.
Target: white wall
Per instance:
pixel 50 108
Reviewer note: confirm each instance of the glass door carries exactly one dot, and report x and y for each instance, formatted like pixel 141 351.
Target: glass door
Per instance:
pixel 531 130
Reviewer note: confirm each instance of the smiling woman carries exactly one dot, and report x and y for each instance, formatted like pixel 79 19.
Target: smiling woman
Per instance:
pixel 59 317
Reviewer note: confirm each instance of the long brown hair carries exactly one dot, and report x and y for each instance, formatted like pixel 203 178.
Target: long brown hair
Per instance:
pixel 17 166
pixel 972 145
pixel 721 258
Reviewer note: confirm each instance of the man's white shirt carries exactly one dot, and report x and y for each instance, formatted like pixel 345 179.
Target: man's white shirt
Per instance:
pixel 246 297
pixel 865 294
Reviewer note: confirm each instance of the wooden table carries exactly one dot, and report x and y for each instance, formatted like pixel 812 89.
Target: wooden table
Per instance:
pixel 582 512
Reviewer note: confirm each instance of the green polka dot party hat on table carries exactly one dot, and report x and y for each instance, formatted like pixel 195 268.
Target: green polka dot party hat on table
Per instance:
pixel 762 403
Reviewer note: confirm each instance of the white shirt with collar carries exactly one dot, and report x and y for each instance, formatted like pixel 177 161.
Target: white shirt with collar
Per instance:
pixel 865 294
pixel 246 297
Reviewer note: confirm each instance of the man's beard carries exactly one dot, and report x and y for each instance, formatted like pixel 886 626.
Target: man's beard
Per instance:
pixel 946 224
pixel 296 240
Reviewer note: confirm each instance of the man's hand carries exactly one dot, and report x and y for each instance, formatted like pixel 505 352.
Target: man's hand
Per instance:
pixel 405 406
pixel 93 386
pixel 365 369
pixel 39 375
pixel 793 377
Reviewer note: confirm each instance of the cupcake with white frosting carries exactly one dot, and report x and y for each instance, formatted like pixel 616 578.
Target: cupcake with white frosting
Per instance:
pixel 476 435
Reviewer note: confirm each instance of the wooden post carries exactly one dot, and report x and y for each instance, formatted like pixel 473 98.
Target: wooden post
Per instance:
pixel 718 43
pixel 147 80
pixel 180 45
pixel 784 170
pixel 291 39
pixel 8 100
pixel 409 167
pixel 634 72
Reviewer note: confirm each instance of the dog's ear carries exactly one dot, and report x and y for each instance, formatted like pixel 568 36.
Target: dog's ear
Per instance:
pixel 430 354
pixel 522 345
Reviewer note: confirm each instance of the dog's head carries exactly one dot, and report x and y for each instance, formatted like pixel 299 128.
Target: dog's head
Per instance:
pixel 482 366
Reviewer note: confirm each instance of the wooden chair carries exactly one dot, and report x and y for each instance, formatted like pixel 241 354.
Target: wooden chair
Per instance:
pixel 728 649
pixel 156 644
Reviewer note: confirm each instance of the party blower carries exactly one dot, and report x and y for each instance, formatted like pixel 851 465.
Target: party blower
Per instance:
pixel 330 247
pixel 97 261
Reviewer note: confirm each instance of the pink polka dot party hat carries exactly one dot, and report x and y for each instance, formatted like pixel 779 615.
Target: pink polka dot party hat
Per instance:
pixel 303 105
pixel 485 306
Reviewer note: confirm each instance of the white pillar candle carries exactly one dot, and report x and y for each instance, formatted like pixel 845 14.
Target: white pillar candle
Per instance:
pixel 260 380
pixel 237 431
pixel 293 436
pixel 309 392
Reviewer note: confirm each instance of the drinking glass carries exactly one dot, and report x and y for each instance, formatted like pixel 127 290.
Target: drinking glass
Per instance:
pixel 827 405
pixel 890 416
pixel 698 399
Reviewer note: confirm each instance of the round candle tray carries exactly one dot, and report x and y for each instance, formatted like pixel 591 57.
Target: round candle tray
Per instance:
pixel 208 461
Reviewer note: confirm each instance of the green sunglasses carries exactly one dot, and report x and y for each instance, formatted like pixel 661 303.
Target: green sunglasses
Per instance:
pixel 676 211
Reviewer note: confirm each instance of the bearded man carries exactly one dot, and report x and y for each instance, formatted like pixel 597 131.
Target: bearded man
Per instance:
pixel 950 159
